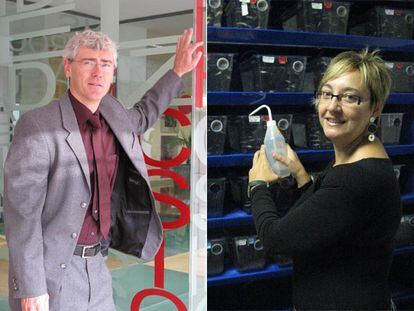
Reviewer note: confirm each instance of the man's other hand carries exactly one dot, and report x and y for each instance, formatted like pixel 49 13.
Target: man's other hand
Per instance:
pixel 185 57
pixel 40 303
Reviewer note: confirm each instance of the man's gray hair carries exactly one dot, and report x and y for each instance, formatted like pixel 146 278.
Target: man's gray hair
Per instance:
pixel 95 40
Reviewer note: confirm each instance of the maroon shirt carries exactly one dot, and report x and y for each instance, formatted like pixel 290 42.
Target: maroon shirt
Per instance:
pixel 90 233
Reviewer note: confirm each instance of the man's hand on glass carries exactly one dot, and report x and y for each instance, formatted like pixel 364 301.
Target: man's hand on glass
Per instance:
pixel 186 58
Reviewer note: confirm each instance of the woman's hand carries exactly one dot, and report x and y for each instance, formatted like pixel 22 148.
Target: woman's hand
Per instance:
pixel 294 165
pixel 261 169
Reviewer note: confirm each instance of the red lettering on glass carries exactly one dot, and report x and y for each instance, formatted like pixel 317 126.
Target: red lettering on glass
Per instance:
pixel 181 182
pixel 185 152
pixel 179 179
pixel 159 263
pixel 199 71
pixel 180 205
pixel 139 297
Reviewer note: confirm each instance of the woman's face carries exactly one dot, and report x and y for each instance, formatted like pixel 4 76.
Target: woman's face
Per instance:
pixel 344 122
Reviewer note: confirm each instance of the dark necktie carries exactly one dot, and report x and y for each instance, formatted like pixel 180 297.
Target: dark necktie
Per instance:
pixel 101 176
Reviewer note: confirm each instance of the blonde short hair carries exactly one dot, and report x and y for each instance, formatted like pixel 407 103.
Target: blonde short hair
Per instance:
pixel 95 40
pixel 374 72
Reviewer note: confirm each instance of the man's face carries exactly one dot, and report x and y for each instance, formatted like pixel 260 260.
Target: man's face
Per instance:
pixel 91 74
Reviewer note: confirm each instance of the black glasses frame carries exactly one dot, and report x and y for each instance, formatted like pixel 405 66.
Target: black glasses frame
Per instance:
pixel 317 94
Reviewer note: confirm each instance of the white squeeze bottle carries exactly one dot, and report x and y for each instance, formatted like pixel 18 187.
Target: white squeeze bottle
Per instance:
pixel 274 142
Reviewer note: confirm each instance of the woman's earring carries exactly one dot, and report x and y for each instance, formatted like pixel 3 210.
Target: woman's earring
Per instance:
pixel 372 128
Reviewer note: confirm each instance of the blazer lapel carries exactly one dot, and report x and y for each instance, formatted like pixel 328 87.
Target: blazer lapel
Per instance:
pixel 119 122
pixel 121 126
pixel 74 138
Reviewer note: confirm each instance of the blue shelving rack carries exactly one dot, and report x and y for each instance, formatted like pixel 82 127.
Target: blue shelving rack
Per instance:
pixel 283 98
pixel 306 155
pixel 232 38
pixel 247 36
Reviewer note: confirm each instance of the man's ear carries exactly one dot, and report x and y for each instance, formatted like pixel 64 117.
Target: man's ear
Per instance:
pixel 66 67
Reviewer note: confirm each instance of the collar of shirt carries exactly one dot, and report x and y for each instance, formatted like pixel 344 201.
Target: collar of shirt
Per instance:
pixel 82 112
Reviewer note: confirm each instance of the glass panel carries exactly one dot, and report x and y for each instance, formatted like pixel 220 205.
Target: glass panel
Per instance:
pixel 31 75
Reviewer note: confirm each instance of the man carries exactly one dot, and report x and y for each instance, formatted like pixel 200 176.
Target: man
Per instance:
pixel 76 181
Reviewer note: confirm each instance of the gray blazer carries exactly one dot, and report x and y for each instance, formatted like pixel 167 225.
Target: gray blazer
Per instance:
pixel 47 188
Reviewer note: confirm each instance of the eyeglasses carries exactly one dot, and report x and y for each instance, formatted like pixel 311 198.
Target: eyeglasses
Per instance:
pixel 345 98
pixel 90 65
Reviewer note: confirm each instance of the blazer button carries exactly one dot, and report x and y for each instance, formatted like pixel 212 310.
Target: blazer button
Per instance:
pixel 63 265
pixel 74 235
pixel 15 288
pixel 84 205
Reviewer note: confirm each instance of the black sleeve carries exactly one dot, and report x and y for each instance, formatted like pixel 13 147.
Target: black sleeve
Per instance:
pixel 287 193
pixel 298 192
pixel 325 216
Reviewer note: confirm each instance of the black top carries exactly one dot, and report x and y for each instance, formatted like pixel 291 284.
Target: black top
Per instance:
pixel 339 233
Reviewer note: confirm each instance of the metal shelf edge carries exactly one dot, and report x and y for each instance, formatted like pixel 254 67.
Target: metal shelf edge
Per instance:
pixel 245 159
pixel 232 35
pixel 237 98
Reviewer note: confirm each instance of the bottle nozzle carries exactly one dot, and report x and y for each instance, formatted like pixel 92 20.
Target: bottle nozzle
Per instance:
pixel 268 111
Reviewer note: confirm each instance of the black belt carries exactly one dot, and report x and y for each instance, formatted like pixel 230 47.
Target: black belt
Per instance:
pixel 86 251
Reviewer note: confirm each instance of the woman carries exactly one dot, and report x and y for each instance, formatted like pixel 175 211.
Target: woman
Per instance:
pixel 340 230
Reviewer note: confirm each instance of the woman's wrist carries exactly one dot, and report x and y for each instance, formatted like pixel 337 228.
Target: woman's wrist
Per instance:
pixel 302 178
pixel 253 184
